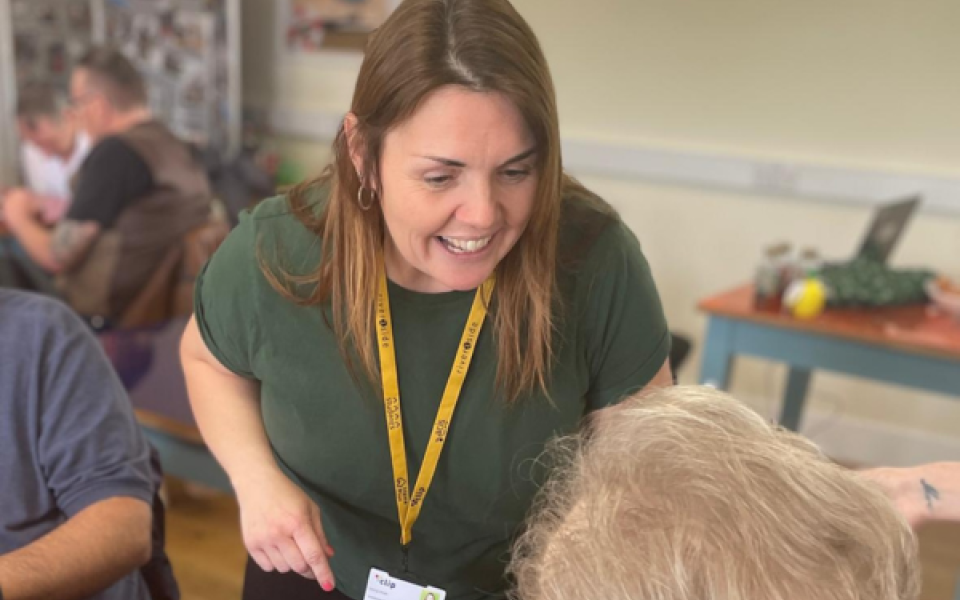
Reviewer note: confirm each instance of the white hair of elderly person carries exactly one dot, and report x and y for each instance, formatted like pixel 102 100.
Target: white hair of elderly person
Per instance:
pixel 685 493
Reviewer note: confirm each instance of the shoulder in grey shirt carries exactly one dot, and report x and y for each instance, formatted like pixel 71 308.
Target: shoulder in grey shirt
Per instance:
pixel 68 437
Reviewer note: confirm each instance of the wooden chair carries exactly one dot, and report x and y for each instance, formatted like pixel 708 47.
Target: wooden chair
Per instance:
pixel 169 292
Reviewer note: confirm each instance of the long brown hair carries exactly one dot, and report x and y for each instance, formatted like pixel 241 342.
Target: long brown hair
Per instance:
pixel 482 45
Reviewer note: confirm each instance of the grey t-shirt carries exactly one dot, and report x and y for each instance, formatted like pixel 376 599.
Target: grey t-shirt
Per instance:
pixel 68 437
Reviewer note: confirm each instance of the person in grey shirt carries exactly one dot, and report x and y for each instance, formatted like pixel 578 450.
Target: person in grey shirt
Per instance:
pixel 78 481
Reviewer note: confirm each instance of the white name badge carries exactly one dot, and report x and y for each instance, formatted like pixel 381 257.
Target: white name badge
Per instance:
pixel 381 586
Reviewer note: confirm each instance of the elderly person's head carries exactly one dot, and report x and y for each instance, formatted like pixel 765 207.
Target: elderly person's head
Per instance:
pixel 107 92
pixel 687 494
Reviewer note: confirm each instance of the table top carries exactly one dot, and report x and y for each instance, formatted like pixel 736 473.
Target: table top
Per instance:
pixel 916 328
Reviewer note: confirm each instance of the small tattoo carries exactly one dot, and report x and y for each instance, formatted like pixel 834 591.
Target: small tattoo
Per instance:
pixel 72 239
pixel 930 493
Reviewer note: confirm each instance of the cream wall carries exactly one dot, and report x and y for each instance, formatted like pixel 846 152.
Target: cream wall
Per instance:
pixel 870 83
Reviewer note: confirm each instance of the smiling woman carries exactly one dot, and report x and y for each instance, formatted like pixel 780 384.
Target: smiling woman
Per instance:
pixel 445 203
pixel 458 183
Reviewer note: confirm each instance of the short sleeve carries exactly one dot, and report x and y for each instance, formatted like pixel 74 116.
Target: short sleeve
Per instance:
pixel 226 299
pixel 90 446
pixel 112 177
pixel 626 335
pixel 30 160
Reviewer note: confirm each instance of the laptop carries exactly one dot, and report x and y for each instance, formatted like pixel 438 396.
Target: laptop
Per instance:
pixel 887 228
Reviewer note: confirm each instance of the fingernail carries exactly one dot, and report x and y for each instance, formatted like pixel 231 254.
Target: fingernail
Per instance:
pixel 327 586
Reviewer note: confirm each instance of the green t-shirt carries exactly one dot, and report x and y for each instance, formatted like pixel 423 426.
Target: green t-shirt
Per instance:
pixel 331 438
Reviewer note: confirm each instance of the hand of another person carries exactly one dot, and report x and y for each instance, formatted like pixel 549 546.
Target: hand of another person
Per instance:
pixel 19 204
pixel 282 529
pixel 904 490
pixel 929 492
pixel 51 209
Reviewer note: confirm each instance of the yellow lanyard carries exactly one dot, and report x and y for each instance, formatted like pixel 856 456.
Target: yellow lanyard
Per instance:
pixel 409 509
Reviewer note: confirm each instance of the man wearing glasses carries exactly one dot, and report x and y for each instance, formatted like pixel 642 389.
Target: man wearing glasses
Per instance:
pixel 138 193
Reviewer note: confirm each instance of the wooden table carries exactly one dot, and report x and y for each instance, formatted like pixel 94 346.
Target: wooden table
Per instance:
pixel 905 345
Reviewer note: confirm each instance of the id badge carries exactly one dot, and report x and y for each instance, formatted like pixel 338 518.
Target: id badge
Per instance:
pixel 381 586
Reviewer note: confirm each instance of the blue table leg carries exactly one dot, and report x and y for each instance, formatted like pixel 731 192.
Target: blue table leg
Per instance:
pixel 794 397
pixel 718 353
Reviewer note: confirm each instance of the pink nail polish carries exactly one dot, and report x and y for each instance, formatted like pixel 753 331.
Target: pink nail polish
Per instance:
pixel 327 586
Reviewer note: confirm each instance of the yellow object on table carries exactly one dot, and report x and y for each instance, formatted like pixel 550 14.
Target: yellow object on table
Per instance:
pixel 805 298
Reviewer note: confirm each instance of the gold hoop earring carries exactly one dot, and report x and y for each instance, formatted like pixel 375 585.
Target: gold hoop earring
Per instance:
pixel 360 202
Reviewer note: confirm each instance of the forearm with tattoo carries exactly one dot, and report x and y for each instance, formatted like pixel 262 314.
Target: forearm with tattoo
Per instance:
pixel 930 494
pixel 938 484
pixel 924 493
pixel 71 240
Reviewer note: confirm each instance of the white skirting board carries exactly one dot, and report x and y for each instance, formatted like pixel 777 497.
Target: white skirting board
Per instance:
pixel 755 175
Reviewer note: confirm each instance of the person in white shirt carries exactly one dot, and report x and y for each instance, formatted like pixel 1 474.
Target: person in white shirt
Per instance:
pixel 54 148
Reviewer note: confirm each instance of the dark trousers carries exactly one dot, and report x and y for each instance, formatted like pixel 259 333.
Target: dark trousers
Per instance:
pixel 158 573
pixel 260 585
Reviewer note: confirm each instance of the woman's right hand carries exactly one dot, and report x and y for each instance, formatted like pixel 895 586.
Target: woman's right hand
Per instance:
pixel 281 524
pixel 282 529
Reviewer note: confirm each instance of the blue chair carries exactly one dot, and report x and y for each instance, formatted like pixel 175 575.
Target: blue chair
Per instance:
pixel 147 360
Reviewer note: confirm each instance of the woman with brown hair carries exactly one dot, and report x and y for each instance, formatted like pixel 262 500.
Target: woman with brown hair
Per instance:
pixel 377 359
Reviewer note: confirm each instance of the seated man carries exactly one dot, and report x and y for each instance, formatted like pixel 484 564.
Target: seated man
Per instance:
pixel 687 494
pixel 79 480
pixel 139 192
pixel 53 149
